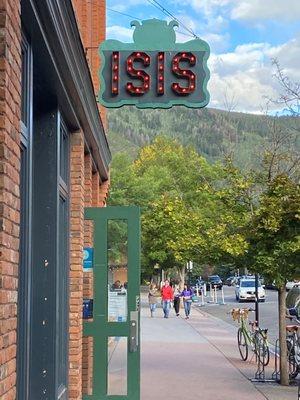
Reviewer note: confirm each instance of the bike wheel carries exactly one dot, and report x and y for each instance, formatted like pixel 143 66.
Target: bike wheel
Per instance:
pixel 292 363
pixel 242 344
pixel 261 348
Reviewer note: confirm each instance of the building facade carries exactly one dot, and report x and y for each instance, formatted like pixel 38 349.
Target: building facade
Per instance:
pixel 54 161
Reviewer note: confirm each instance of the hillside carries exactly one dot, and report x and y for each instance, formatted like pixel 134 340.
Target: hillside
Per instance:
pixel 212 132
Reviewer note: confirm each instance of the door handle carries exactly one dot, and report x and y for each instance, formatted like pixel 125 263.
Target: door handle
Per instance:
pixel 134 332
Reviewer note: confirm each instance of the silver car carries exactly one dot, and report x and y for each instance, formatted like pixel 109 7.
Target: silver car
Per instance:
pixel 246 291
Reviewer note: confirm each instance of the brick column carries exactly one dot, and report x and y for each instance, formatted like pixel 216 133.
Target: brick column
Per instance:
pixel 76 272
pixel 10 100
pixel 95 189
pixel 87 354
pixel 103 193
pixel 91 17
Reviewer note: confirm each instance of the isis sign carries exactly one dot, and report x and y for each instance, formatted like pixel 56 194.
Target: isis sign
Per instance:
pixel 154 71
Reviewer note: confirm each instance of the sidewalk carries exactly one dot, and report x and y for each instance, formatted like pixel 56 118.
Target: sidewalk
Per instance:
pixel 197 359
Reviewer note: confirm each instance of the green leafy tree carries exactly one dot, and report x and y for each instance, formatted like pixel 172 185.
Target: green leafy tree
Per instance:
pixel 187 211
pixel 275 245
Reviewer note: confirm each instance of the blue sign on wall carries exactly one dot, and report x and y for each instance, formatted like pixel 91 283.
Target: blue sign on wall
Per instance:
pixel 88 254
pixel 87 308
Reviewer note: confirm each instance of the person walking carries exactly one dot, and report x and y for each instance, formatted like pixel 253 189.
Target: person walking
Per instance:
pixel 187 294
pixel 177 294
pixel 166 297
pixel 152 297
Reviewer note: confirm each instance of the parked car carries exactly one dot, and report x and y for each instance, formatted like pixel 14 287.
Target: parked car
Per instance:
pixel 270 285
pixel 291 284
pixel 292 302
pixel 214 280
pixel 246 290
pixel 230 281
pixel 197 283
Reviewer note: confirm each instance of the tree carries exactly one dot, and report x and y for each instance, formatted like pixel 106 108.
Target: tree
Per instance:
pixel 187 211
pixel 273 230
pixel 290 90
pixel 275 245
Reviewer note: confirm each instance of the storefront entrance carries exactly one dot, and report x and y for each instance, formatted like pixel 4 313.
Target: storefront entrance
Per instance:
pixel 112 317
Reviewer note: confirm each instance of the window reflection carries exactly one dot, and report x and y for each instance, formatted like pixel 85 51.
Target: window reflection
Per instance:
pixel 117 366
pixel 117 270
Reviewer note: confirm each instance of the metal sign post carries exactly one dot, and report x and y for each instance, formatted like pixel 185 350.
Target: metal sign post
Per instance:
pixel 256 300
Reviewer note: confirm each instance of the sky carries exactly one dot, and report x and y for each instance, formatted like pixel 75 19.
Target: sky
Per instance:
pixel 244 36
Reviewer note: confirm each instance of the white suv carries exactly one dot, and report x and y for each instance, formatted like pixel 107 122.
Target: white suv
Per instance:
pixel 246 290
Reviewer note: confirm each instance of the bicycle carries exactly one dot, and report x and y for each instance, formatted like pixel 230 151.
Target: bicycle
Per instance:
pixel 257 338
pixel 293 347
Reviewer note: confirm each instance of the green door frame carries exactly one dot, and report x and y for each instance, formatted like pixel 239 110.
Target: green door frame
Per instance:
pixel 99 328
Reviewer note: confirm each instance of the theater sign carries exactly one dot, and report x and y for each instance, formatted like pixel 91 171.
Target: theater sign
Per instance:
pixel 154 71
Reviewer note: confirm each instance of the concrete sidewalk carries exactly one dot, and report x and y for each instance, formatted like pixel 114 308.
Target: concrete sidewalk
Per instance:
pixel 197 359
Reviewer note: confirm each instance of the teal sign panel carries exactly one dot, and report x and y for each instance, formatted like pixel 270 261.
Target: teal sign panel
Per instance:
pixel 88 253
pixel 154 71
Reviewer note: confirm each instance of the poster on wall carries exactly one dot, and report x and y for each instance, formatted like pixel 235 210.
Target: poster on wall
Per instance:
pixel 117 305
pixel 88 255
pixel 154 71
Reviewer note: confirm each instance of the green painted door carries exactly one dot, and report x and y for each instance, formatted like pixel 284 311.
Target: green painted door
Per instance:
pixel 115 326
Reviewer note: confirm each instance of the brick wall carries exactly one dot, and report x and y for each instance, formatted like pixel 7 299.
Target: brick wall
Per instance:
pixel 10 99
pixel 91 17
pixel 86 191
pixel 76 272
pixel 87 354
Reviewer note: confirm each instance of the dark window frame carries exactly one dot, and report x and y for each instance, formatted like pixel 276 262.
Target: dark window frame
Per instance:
pixel 63 254
pixel 25 264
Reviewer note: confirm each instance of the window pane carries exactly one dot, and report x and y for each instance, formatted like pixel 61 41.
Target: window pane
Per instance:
pixel 117 366
pixel 24 97
pixel 64 154
pixel 62 289
pixel 117 270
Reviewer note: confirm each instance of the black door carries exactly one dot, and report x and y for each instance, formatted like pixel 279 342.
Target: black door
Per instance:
pixel 49 338
pixel 42 355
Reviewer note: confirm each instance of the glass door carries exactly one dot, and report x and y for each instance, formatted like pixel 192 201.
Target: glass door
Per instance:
pixel 114 322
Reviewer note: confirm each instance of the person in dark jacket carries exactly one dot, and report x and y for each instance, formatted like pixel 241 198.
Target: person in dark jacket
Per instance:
pixel 177 294
pixel 166 297
pixel 187 294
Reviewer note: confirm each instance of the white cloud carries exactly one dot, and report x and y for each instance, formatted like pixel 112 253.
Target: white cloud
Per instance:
pixel 119 33
pixel 267 9
pixel 288 10
pixel 208 7
pixel 247 74
pixel 216 41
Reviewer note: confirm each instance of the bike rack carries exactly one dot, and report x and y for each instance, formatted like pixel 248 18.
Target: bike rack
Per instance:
pixel 260 374
pixel 276 373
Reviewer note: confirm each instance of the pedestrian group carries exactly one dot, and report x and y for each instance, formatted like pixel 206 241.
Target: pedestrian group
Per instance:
pixel 170 295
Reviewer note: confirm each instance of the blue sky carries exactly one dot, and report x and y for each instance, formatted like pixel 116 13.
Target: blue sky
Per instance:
pixel 243 35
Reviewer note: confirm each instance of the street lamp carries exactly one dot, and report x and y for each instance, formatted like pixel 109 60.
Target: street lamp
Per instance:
pixel 189 267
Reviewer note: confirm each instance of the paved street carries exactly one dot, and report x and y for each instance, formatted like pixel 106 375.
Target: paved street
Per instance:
pixel 197 359
pixel 268 310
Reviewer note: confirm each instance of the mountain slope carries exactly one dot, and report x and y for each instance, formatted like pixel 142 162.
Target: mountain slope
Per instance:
pixel 212 132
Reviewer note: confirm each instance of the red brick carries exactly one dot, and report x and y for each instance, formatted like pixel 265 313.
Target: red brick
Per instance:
pixel 10 90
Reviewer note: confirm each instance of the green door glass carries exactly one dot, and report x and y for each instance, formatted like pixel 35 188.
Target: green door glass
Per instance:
pixel 115 323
